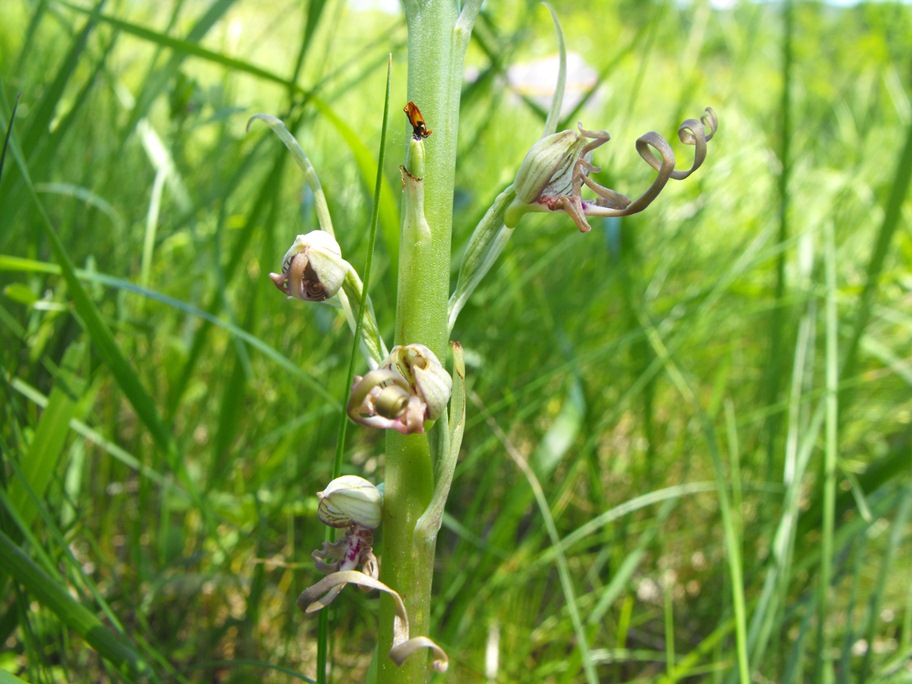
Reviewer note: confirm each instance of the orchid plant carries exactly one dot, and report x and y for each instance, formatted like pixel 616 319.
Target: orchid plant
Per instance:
pixel 407 390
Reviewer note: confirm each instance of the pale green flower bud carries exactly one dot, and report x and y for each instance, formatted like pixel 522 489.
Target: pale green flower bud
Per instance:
pixel 350 500
pixel 547 171
pixel 313 268
pixel 551 158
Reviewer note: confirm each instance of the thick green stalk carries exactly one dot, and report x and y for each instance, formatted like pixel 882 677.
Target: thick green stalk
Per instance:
pixel 406 566
pixel 437 42
pixel 435 58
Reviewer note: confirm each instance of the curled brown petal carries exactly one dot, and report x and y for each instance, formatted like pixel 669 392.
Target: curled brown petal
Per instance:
pixel 403 650
pixel 609 198
pixel 697 133
pixel 328 559
pixel 691 132
pixel 663 166
pixel 612 203
pixel 314 598
pixel 322 593
pixel 710 120
pixel 598 138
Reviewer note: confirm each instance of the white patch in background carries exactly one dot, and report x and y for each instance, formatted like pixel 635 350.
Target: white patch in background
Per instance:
pixel 538 79
pixel 386 6
pixel 492 652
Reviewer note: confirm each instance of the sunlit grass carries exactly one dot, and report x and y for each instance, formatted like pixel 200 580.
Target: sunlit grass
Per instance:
pixel 633 367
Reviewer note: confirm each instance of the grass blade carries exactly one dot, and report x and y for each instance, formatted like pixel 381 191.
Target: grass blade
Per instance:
pixel 50 592
pixel 899 531
pixel 123 371
pixel 563 569
pixel 40 464
pixel 828 495
pixel 557 102
pixel 9 132
pixel 891 222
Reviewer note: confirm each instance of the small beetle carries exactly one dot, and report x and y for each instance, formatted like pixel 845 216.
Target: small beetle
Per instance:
pixel 419 127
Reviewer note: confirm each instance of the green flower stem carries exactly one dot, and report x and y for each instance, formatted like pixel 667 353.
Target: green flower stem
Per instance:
pixel 491 235
pixel 424 280
pixel 371 343
pixel 487 242
pixel 449 441
pixel 406 565
pixel 303 161
pixel 438 36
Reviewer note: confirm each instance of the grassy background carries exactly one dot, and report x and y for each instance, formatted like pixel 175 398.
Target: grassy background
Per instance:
pixel 714 395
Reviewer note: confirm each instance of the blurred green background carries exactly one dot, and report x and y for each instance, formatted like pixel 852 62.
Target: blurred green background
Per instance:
pixel 714 394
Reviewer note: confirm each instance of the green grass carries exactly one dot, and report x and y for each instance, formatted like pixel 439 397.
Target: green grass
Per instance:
pixel 688 445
